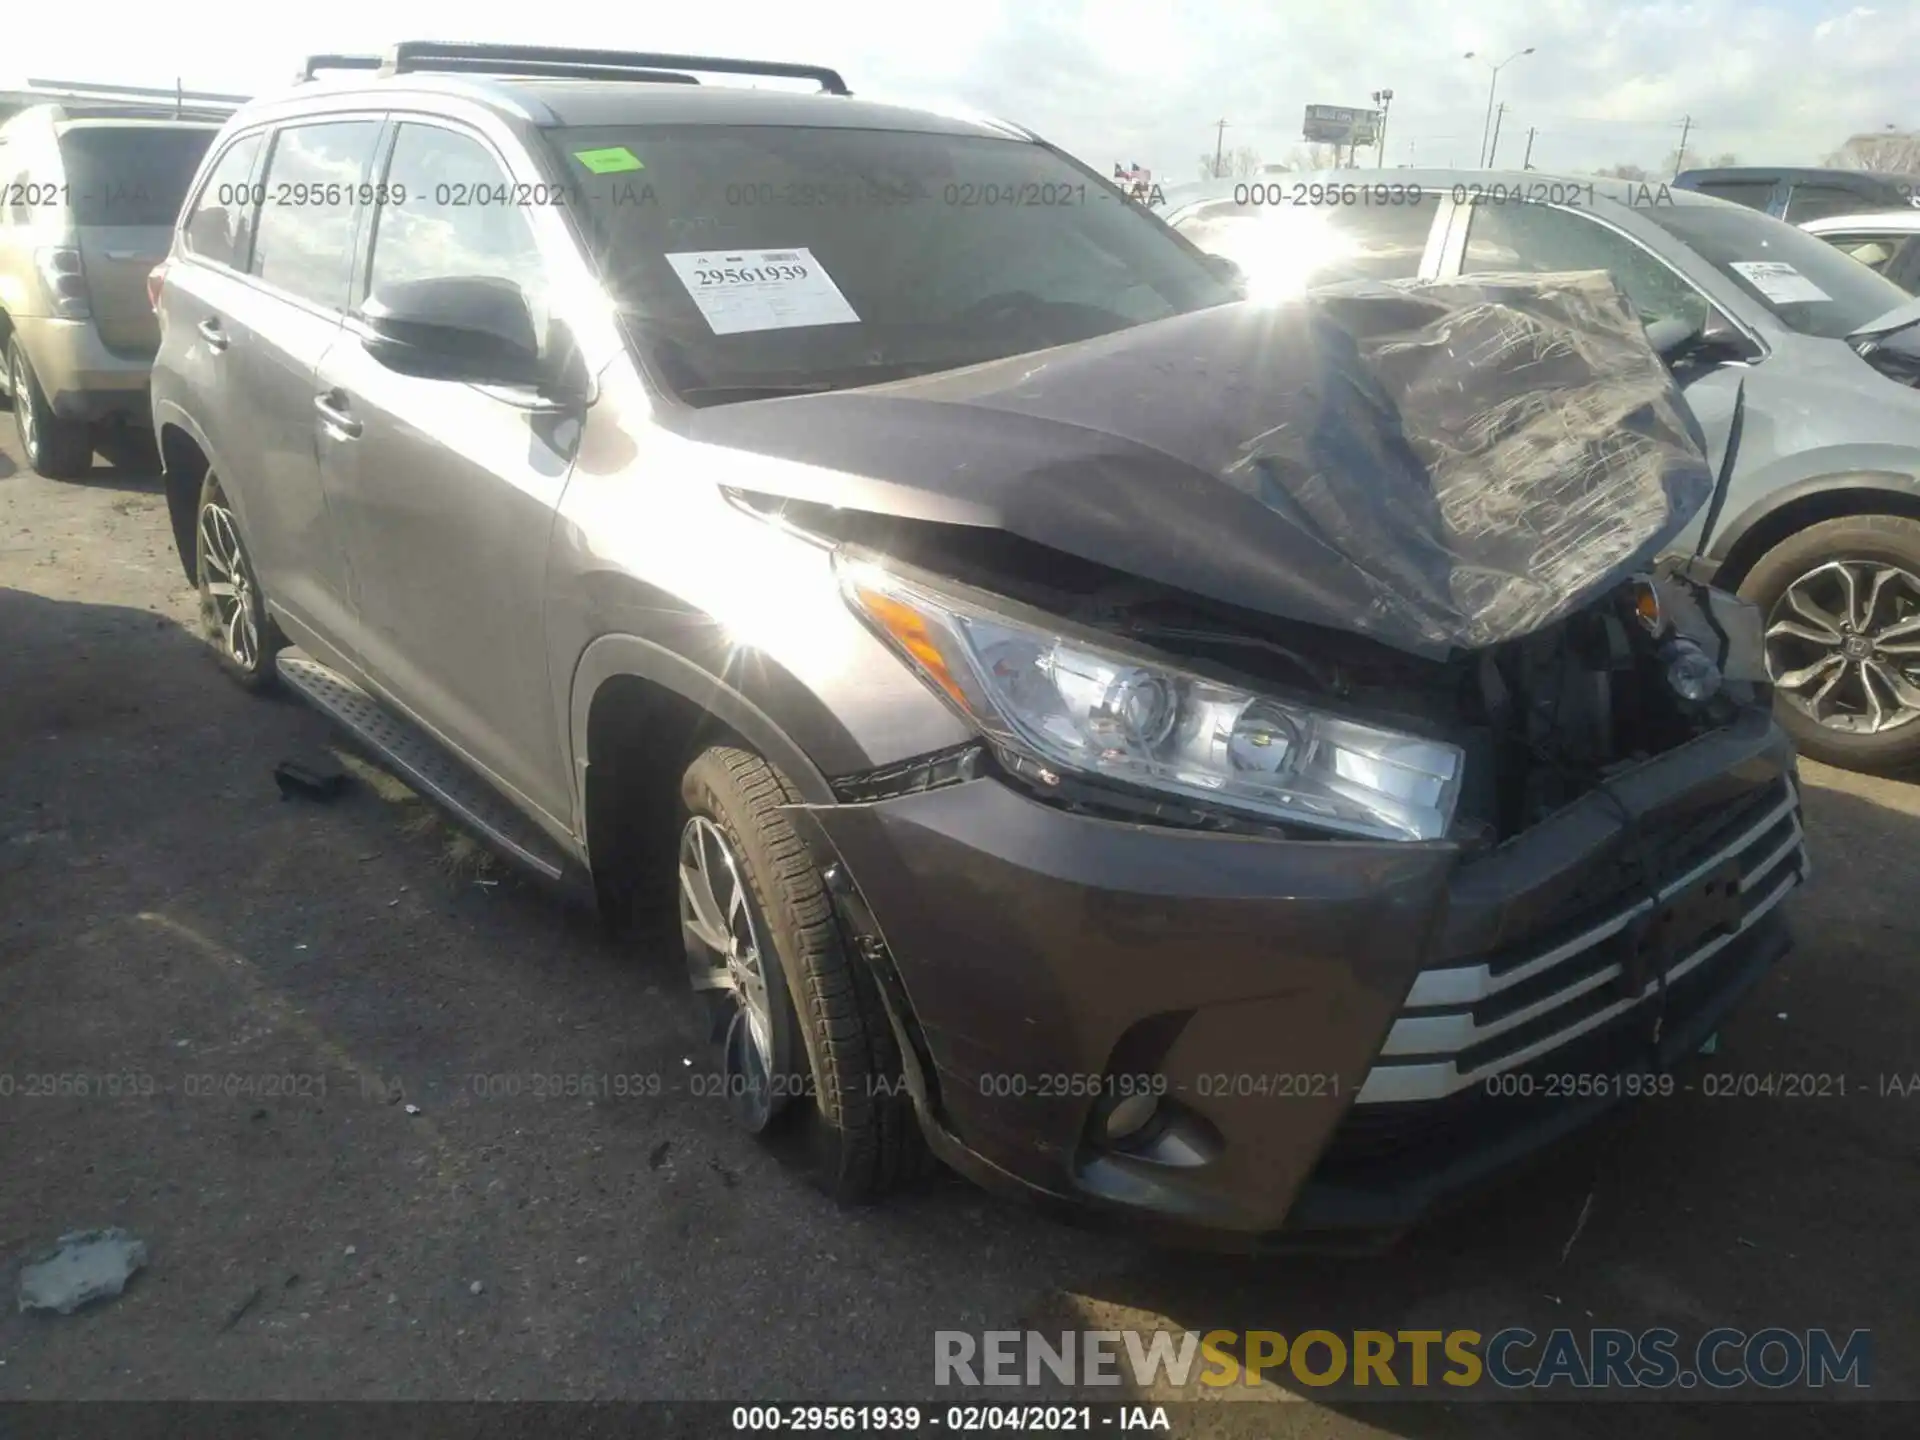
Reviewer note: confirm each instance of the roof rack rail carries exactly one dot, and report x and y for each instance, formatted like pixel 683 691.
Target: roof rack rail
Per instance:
pixel 554 70
pixel 79 97
pixel 188 115
pixel 316 63
pixel 557 61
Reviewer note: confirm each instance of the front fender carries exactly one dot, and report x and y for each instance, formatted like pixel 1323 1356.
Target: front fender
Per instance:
pixel 1771 501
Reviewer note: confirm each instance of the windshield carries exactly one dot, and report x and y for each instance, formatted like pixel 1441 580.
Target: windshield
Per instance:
pixel 130 175
pixel 1805 282
pixel 1287 238
pixel 759 259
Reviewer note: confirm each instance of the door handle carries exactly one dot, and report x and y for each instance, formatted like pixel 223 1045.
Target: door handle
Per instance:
pixel 333 414
pixel 215 337
pixel 135 255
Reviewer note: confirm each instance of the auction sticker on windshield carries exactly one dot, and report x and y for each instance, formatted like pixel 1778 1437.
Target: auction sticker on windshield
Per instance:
pixel 742 290
pixel 1779 281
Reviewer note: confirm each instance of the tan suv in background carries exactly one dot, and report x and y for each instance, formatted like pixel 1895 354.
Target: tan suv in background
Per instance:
pixel 87 206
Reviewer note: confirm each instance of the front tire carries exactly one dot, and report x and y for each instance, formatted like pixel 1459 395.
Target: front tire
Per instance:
pixel 819 1078
pixel 233 612
pixel 1840 605
pixel 55 448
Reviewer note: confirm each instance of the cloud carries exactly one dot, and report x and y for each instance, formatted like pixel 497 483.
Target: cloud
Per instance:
pixel 1779 80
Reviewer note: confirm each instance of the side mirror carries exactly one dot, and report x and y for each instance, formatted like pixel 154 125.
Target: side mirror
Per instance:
pixel 1722 340
pixel 1674 338
pixel 470 328
pixel 1895 355
pixel 1711 338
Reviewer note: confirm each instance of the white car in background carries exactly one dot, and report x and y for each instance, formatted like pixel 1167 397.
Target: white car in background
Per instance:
pixel 1886 240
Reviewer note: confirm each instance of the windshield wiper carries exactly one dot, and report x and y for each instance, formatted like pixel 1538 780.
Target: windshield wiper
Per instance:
pixel 880 374
pixel 758 392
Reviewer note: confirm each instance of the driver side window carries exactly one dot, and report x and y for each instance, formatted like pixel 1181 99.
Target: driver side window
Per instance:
pixel 449 211
pixel 1542 239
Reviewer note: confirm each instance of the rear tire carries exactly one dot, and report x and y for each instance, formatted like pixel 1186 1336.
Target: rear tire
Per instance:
pixel 1872 558
pixel 55 448
pixel 838 1106
pixel 233 611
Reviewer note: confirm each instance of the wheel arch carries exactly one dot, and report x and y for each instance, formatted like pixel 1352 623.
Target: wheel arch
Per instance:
pixel 638 713
pixel 1785 512
pixel 615 669
pixel 184 463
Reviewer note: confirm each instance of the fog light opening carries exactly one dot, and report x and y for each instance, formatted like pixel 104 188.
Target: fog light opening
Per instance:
pixel 1128 1116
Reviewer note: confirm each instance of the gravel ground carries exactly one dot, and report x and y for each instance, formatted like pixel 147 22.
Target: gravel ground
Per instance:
pixel 167 918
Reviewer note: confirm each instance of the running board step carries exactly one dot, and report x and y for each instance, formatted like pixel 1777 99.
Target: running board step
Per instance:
pixel 422 762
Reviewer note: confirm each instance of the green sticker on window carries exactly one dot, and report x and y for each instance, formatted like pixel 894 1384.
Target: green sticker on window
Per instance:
pixel 609 161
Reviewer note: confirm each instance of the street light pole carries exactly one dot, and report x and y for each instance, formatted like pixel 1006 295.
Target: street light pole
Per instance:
pixel 1487 128
pixel 1384 99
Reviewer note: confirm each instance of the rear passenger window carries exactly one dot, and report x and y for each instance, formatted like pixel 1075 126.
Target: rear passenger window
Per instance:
pixel 1815 202
pixel 217 225
pixel 451 211
pixel 1872 251
pixel 303 239
pixel 1754 194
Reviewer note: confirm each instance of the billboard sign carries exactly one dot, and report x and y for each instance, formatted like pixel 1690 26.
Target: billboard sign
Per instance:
pixel 1340 125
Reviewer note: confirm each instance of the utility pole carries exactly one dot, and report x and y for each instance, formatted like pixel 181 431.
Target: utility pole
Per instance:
pixel 1526 161
pixel 1494 148
pixel 1680 155
pixel 1492 83
pixel 1219 140
pixel 1384 99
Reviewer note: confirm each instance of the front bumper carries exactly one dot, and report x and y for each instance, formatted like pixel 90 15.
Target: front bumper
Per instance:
pixel 1338 1030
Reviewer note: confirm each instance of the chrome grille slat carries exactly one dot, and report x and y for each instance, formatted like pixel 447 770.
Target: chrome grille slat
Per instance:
pixel 1388 1083
pixel 1470 984
pixel 1785 848
pixel 1433 1044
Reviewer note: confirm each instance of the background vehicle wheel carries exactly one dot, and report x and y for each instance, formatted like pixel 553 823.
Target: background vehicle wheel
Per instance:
pixel 1840 603
pixel 58 449
pixel 807 1051
pixel 233 614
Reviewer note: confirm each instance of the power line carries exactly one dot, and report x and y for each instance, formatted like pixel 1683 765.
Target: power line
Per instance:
pixel 1606 120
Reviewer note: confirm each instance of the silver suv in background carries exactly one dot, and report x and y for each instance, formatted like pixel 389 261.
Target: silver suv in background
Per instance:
pixel 88 203
pixel 1887 242
pixel 1799 363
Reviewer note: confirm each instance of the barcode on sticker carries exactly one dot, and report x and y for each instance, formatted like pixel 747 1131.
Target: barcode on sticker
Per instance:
pixel 773 255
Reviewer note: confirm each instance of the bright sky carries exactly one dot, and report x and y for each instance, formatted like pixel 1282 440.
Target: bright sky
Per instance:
pixel 1780 81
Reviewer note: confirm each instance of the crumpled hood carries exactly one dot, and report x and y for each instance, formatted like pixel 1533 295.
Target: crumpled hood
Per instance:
pixel 1441 466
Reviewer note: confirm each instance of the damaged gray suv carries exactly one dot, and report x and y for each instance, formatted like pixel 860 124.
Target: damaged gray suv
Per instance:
pixel 1217 766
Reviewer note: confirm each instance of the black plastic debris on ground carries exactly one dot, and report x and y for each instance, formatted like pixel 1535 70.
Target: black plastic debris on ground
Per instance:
pixel 310 781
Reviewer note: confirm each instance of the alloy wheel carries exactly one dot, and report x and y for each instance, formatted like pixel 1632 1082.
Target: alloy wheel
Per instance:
pixel 23 406
pixel 727 958
pixel 229 591
pixel 1842 644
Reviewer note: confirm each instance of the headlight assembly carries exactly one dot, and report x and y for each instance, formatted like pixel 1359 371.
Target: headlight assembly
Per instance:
pixel 1085 704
